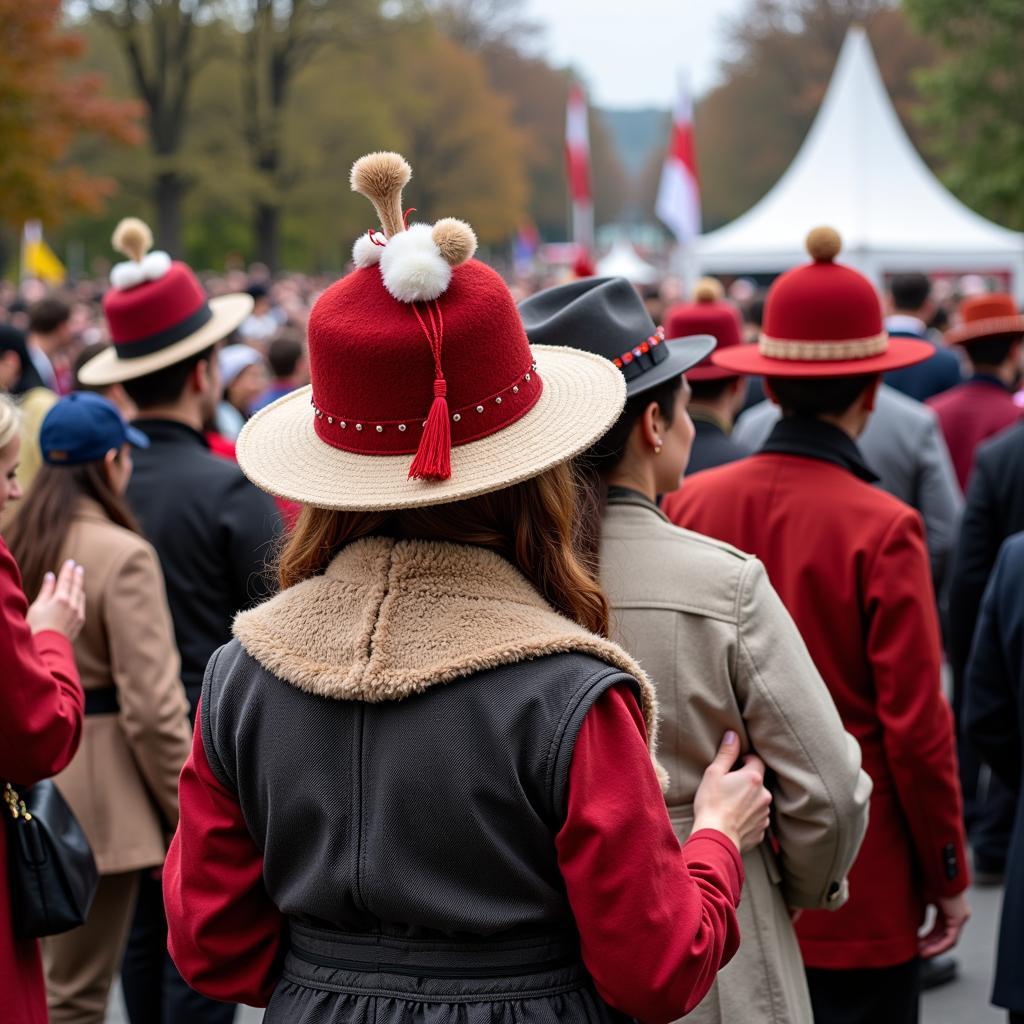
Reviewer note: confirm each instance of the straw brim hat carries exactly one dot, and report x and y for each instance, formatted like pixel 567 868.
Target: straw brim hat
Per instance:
pixel 582 396
pixel 108 368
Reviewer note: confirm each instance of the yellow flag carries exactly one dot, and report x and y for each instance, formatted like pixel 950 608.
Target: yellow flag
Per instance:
pixel 40 260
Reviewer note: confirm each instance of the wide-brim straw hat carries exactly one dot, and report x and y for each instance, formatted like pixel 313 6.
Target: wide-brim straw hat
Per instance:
pixel 424 389
pixel 157 312
pixel 281 453
pixel 823 319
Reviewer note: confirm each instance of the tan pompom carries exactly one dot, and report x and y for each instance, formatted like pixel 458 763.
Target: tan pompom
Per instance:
pixel 381 177
pixel 823 244
pixel 709 289
pixel 132 237
pixel 455 239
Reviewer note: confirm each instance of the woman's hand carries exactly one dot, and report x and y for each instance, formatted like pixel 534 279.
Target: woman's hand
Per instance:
pixel 951 914
pixel 60 605
pixel 733 802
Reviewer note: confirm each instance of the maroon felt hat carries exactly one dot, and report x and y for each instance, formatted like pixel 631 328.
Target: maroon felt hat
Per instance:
pixel 708 313
pixel 157 312
pixel 424 388
pixel 823 320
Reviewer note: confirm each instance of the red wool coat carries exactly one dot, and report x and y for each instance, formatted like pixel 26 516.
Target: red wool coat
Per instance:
pixel 41 708
pixel 969 414
pixel 850 564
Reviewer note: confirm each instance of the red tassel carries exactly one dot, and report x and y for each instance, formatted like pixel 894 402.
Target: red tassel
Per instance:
pixel 434 456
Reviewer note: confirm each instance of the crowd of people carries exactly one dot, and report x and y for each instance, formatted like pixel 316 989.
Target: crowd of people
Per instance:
pixel 409 653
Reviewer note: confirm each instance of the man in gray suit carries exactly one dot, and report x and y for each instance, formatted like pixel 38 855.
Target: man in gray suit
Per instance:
pixel 903 445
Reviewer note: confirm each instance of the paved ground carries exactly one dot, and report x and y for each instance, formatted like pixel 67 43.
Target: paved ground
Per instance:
pixel 964 1002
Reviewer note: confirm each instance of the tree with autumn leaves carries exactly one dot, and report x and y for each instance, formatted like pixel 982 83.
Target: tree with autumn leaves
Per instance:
pixel 43 111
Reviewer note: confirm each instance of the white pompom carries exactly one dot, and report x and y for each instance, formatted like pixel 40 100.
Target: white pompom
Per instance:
pixel 365 252
pixel 127 275
pixel 155 264
pixel 412 266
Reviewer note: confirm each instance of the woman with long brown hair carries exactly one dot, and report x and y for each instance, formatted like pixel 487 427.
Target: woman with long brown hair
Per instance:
pixel 122 783
pixel 422 784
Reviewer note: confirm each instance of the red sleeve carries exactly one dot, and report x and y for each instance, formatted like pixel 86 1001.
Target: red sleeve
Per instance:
pixel 224 933
pixel 631 886
pixel 917 724
pixel 41 701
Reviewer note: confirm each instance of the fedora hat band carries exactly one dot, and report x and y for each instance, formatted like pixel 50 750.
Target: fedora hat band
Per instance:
pixel 151 343
pixel 823 351
pixel 643 357
pixel 402 437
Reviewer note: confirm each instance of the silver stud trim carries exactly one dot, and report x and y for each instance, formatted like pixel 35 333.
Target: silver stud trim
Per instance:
pixel 526 377
pixel 479 408
pixel 343 424
pixel 515 390
pixel 457 417
pixel 330 419
pixel 497 401
pixel 359 426
pixel 380 429
pixel 401 426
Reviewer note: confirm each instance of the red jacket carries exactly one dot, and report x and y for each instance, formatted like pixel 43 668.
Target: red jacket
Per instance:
pixel 970 413
pixel 41 708
pixel 850 564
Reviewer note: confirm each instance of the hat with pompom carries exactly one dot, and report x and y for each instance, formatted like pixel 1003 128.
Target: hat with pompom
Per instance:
pixel 424 388
pixel 708 313
pixel 822 320
pixel 157 312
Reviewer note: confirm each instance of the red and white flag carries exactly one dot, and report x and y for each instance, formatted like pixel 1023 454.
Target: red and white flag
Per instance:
pixel 577 158
pixel 678 205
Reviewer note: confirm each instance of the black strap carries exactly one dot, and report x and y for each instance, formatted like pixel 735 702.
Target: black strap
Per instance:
pixel 102 702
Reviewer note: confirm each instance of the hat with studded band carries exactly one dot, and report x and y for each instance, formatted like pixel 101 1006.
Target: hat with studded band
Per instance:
pixel 424 388
pixel 606 316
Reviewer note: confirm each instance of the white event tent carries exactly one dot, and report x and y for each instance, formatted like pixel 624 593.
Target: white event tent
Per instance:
pixel 624 261
pixel 859 172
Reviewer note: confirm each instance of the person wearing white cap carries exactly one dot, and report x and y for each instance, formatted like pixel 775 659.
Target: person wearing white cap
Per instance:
pixel 243 376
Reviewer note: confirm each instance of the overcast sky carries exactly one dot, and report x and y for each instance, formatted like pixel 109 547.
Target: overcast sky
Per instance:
pixel 628 51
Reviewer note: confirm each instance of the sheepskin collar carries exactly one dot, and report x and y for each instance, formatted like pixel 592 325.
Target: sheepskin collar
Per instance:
pixel 391 618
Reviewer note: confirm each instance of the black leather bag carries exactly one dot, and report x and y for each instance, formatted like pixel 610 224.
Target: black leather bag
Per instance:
pixel 51 871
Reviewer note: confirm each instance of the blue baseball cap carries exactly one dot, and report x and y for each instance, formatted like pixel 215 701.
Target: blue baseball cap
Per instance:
pixel 83 427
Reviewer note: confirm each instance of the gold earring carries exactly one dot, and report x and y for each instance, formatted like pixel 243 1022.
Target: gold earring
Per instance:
pixel 657 448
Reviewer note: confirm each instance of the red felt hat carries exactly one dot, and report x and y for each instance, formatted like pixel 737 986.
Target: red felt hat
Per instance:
pixel 424 388
pixel 708 313
pixel 157 312
pixel 986 316
pixel 823 320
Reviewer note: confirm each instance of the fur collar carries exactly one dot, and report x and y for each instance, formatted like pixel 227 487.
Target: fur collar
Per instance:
pixel 391 618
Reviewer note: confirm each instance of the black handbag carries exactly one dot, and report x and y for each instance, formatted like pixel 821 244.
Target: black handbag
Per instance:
pixel 51 871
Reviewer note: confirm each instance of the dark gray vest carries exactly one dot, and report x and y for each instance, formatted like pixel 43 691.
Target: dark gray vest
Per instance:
pixel 430 818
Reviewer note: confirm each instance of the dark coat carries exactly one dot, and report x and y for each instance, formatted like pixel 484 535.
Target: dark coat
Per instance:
pixel 712 446
pixel 850 564
pixel 213 532
pixel 994 510
pixel 994 721
pixel 936 374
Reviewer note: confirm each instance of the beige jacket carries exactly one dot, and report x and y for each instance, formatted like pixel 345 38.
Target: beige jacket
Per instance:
pixel 708 628
pixel 123 782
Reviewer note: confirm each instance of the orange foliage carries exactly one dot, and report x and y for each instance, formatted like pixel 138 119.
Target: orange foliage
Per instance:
pixel 43 109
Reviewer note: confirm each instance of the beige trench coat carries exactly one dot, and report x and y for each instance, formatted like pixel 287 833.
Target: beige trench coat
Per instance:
pixel 123 782
pixel 707 626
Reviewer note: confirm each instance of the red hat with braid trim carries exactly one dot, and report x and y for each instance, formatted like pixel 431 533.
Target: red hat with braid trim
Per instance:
pixel 424 388
pixel 822 320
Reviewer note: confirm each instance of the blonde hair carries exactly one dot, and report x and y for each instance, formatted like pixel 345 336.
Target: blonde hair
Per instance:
pixel 10 421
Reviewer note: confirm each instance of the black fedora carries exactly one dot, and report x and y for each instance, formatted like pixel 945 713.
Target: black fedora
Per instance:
pixel 606 316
